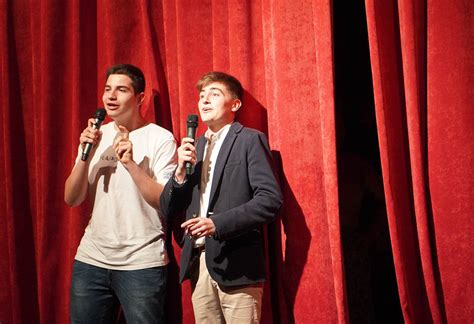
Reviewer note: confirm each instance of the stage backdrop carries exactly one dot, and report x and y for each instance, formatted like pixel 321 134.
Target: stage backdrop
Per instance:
pixel 53 58
pixel 422 67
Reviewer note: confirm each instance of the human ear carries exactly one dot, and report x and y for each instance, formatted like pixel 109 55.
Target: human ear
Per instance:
pixel 236 105
pixel 140 98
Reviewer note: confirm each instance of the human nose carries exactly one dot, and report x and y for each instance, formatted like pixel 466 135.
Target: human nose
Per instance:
pixel 205 97
pixel 111 95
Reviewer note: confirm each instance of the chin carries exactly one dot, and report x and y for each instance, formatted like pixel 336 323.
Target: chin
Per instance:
pixel 205 119
pixel 112 113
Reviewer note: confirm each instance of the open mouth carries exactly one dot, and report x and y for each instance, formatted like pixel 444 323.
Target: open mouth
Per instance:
pixel 112 106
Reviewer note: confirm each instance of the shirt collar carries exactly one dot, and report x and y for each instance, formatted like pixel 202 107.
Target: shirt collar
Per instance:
pixel 216 136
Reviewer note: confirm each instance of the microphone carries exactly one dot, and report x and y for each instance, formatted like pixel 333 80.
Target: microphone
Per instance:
pixel 99 117
pixel 192 124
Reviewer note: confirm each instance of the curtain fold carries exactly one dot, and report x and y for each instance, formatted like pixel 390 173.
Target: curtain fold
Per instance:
pixel 451 144
pixel 52 73
pixel 421 73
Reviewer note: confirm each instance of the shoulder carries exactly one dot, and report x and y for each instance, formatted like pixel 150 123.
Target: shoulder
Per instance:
pixel 248 133
pixel 158 132
pixel 252 140
pixel 152 127
pixel 252 132
pixel 238 128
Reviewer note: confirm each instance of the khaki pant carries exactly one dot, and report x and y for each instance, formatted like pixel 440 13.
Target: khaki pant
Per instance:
pixel 217 304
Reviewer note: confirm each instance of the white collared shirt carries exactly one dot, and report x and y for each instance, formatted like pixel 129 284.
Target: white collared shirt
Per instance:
pixel 208 175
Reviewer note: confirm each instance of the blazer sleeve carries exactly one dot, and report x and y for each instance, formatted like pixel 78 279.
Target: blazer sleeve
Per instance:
pixel 266 199
pixel 175 198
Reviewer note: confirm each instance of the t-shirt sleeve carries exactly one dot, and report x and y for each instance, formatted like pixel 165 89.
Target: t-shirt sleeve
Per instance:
pixel 165 161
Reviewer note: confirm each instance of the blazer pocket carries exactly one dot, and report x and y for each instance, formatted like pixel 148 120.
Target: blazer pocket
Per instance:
pixel 232 164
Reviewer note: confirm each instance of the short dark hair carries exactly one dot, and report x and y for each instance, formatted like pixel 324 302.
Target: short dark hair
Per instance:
pixel 232 84
pixel 133 72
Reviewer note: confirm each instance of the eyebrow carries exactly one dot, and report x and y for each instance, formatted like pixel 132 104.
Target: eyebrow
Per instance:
pixel 213 88
pixel 118 87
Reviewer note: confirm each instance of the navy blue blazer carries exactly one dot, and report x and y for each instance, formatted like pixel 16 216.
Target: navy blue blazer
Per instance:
pixel 244 196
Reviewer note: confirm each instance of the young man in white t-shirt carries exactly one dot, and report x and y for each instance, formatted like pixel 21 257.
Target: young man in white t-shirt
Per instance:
pixel 122 257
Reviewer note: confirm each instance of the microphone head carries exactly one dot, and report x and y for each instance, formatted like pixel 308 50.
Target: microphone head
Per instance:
pixel 192 121
pixel 100 114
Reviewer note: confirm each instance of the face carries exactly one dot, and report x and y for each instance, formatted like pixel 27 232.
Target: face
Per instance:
pixel 119 98
pixel 217 107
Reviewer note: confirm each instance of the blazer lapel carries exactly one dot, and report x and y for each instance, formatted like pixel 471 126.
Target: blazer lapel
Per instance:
pixel 200 145
pixel 222 157
pixel 196 201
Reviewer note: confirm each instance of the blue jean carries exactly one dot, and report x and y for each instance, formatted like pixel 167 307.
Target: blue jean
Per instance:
pixel 96 294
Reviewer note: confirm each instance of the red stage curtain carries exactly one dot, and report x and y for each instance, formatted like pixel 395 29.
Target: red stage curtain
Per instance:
pixel 52 64
pixel 54 54
pixel 421 54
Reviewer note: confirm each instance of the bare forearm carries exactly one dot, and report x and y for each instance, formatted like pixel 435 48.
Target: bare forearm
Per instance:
pixel 75 188
pixel 149 188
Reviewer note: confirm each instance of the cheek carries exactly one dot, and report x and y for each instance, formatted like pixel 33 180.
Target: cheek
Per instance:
pixel 128 100
pixel 218 103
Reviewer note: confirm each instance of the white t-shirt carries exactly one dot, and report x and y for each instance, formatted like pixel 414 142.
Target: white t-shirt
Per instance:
pixel 125 232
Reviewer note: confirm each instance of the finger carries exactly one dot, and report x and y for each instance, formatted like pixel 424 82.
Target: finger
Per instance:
pixel 187 147
pixel 187 140
pixel 185 152
pixel 88 138
pixel 124 144
pixel 200 226
pixel 119 139
pixel 91 122
pixel 189 222
pixel 91 131
pixel 198 231
pixel 118 152
pixel 186 224
pixel 124 131
pixel 187 156
pixel 93 134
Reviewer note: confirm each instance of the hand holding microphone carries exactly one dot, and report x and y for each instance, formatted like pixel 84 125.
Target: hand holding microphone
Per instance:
pixel 191 126
pixel 187 151
pixel 90 135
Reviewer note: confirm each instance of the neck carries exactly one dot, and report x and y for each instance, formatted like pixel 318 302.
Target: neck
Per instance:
pixel 133 123
pixel 217 128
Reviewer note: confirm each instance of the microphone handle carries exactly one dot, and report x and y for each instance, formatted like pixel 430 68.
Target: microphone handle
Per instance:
pixel 88 147
pixel 189 168
pixel 191 133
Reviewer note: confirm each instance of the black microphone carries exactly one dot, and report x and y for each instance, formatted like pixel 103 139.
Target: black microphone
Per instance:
pixel 192 124
pixel 99 117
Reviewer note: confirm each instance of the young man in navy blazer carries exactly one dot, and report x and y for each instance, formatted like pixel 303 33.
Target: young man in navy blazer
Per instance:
pixel 229 196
